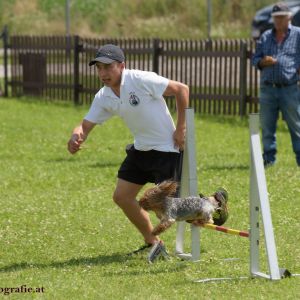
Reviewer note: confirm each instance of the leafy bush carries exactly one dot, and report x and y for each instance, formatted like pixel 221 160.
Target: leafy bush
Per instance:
pixel 131 18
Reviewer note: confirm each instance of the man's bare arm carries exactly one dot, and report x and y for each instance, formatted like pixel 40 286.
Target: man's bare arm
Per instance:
pixel 181 93
pixel 79 135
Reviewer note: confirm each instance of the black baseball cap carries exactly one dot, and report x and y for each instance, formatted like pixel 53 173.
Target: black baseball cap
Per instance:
pixel 107 54
pixel 280 9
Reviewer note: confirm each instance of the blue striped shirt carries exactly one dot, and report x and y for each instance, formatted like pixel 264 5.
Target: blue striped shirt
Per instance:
pixel 287 53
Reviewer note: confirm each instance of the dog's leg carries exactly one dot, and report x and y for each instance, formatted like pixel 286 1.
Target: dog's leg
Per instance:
pixel 197 222
pixel 158 214
pixel 162 226
pixel 203 219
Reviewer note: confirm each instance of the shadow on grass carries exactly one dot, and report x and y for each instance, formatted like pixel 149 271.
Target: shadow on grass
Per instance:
pixel 82 261
pixel 98 260
pixel 226 167
pixel 76 161
pixel 105 164
pixel 153 269
pixel 61 159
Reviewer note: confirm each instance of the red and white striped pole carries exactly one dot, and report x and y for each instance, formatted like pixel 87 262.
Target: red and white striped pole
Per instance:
pixel 226 230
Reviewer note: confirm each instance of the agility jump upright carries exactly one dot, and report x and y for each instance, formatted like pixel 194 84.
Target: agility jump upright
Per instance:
pixel 258 202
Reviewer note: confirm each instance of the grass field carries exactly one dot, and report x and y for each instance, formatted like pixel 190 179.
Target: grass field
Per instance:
pixel 61 231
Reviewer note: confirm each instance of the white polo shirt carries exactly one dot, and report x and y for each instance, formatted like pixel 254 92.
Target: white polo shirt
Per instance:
pixel 142 107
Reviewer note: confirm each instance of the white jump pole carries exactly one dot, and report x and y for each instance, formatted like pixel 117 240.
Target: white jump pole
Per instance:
pixel 259 201
pixel 188 187
pixel 259 205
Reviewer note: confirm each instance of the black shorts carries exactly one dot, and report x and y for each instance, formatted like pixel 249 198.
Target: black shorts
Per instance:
pixel 153 166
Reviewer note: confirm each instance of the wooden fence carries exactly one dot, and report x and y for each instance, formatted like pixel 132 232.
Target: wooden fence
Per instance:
pixel 218 72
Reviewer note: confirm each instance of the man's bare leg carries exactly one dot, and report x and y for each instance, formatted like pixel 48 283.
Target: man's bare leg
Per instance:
pixel 125 197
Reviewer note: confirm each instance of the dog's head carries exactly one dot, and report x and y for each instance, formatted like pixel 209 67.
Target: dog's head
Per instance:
pixel 221 214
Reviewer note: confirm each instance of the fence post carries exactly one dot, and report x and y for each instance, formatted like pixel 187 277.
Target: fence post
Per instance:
pixel 5 45
pixel 243 79
pixel 77 49
pixel 156 53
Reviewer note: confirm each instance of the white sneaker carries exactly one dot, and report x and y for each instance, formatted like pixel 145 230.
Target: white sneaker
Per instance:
pixel 157 250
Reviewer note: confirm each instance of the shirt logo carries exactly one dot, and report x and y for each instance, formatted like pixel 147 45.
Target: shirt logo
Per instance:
pixel 133 99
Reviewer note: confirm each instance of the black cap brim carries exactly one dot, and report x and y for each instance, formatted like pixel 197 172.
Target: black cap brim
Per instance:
pixel 104 60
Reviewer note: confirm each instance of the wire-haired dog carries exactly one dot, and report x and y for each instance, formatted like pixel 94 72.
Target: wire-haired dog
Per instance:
pixel 193 209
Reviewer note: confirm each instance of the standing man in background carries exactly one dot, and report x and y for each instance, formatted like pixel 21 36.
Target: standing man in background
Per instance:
pixel 277 56
pixel 138 98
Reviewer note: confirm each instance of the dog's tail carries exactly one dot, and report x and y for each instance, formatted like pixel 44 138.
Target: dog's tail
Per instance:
pixel 154 198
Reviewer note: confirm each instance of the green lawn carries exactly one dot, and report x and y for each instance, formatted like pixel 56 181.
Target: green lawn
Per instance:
pixel 61 231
